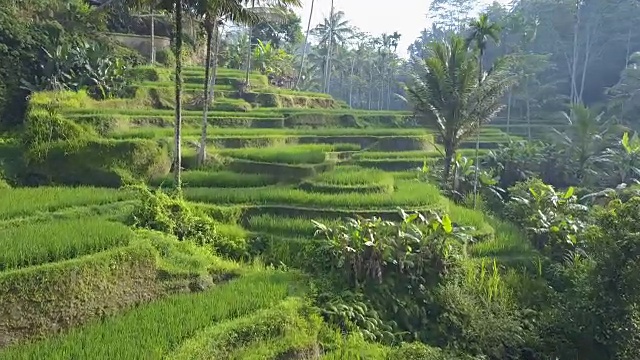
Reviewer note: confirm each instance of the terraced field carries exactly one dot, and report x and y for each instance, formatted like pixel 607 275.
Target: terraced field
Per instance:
pixel 73 273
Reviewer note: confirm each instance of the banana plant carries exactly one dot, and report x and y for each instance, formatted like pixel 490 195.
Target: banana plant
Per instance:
pixel 624 161
pixel 554 220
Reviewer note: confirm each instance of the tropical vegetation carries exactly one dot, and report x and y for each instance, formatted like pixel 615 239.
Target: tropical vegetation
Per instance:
pixel 194 179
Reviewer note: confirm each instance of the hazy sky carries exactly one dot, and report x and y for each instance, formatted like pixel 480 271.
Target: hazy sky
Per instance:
pixel 408 17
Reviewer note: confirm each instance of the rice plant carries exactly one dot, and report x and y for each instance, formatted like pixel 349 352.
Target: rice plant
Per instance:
pixel 293 155
pixel 354 176
pixel 408 194
pixel 43 242
pixel 197 178
pixel 411 155
pixel 350 179
pixel 288 227
pixel 152 331
pixel 253 336
pixel 31 201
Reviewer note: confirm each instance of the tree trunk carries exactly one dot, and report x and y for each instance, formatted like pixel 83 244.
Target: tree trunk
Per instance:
pixel 509 103
pixel 477 154
pixel 153 39
pixel 177 160
pixel 248 69
pixel 329 53
pixel 353 64
pixel 449 154
pixel 528 109
pixel 306 42
pixel 574 60
pixel 209 87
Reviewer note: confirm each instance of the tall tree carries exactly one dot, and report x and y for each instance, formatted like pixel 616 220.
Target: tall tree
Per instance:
pixel 266 10
pixel 213 13
pixel 177 152
pixel 305 47
pixel 445 93
pixel 482 30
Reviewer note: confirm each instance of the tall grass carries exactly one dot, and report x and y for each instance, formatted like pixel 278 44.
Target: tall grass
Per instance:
pixel 152 331
pixel 30 201
pixel 225 179
pixel 39 243
pixel 510 244
pixel 408 194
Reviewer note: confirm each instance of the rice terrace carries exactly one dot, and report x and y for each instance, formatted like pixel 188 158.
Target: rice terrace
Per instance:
pixel 218 179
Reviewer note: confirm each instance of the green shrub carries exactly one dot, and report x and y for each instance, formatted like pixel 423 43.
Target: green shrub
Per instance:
pixel 149 73
pixel 420 351
pixel 53 297
pixel 158 211
pixel 39 243
pixel 166 57
pixel 43 127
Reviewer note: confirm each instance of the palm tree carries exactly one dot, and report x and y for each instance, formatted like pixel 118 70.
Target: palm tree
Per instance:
pixel 177 157
pixel 306 45
pixel 482 30
pixel 268 13
pixel 333 31
pixel 213 13
pixel 446 93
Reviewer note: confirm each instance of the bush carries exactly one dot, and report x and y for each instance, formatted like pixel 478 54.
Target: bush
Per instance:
pixel 158 211
pixel 43 127
pixel 166 57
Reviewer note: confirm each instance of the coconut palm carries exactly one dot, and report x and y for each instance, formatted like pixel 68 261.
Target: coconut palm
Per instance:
pixel 446 94
pixel 332 32
pixel 305 47
pixel 213 13
pixel 482 30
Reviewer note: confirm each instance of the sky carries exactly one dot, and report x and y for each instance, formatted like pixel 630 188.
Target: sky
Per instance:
pixel 408 17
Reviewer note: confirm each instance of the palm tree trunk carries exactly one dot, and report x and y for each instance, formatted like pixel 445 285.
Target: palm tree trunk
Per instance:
pixel 449 154
pixel 329 53
pixel 509 103
pixel 353 64
pixel 528 109
pixel 306 42
pixel 202 152
pixel 477 154
pixel 248 68
pixel 177 160
pixel 153 39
